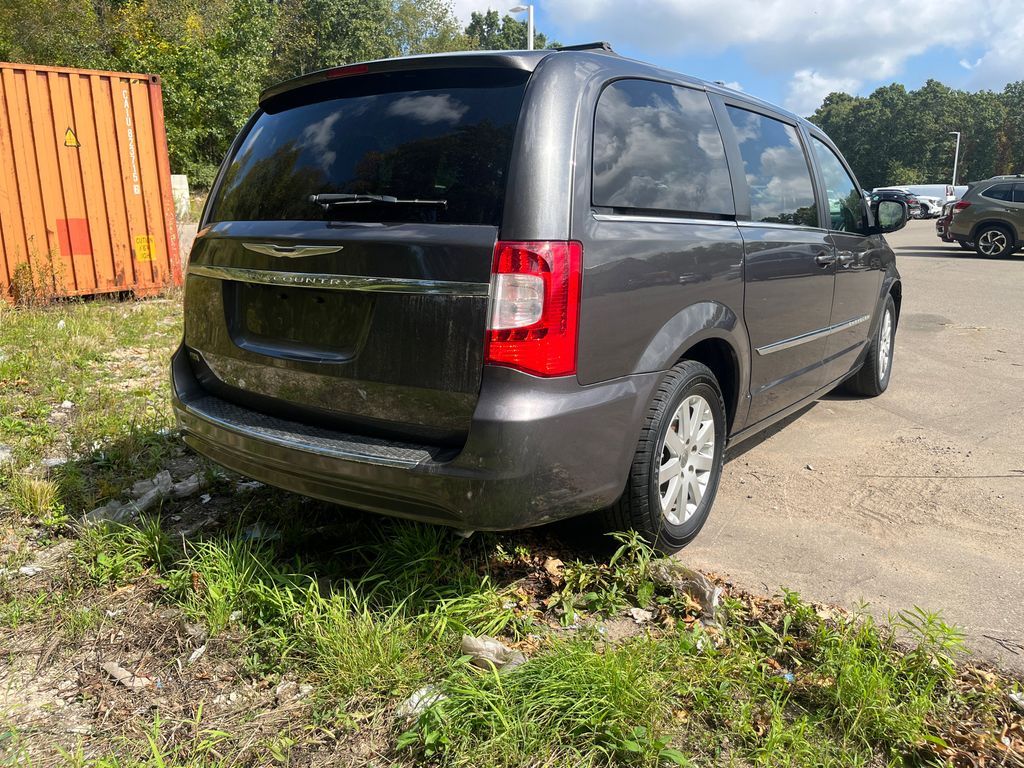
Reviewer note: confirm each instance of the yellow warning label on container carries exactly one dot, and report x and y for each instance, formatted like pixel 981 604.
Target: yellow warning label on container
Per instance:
pixel 145 246
pixel 70 140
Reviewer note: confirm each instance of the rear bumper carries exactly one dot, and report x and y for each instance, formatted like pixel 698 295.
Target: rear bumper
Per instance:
pixel 538 450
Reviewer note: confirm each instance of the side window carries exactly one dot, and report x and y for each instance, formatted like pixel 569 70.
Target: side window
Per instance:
pixel 776 169
pixel 657 147
pixel 845 202
pixel 1018 193
pixel 999 192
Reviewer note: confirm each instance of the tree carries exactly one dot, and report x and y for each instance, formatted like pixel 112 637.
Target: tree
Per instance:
pixel 491 32
pixel 898 137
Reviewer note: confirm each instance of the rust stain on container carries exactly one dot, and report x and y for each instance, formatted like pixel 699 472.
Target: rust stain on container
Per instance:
pixel 85 183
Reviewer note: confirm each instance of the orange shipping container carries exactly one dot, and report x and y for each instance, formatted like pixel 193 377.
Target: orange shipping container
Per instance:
pixel 85 183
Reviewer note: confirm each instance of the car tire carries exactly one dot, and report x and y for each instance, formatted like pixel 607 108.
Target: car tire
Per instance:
pixel 673 480
pixel 994 242
pixel 873 377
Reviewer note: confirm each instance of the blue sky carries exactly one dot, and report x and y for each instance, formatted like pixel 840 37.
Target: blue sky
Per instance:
pixel 794 52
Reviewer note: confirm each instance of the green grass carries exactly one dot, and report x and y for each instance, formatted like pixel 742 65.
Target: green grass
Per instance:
pixel 369 610
pixel 368 625
pixel 108 359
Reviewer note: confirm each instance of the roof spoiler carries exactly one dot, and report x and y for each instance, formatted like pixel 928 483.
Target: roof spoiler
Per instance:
pixel 598 46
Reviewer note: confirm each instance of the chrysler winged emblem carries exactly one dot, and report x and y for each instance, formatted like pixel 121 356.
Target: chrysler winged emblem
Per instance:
pixel 291 251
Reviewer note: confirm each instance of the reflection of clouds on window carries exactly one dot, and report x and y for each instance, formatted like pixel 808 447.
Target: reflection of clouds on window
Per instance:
pixel 776 169
pixel 318 137
pixel 657 146
pixel 428 109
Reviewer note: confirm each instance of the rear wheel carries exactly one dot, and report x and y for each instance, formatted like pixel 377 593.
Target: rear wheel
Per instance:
pixel 873 377
pixel 678 462
pixel 994 242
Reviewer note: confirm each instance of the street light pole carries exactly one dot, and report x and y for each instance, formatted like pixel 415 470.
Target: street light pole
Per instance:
pixel 956 155
pixel 529 23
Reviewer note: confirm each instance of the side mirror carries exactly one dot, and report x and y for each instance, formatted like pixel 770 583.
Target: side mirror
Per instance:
pixel 890 215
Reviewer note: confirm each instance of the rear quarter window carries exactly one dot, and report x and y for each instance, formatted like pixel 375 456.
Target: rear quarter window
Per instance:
pixel 419 135
pixel 999 192
pixel 657 147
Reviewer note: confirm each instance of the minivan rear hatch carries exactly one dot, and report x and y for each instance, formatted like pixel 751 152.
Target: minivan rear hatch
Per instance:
pixel 341 276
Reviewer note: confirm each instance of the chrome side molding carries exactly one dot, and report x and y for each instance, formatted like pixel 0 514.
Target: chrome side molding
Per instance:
pixel 778 346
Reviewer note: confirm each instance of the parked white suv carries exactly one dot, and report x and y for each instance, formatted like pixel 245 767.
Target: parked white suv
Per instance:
pixel 931 196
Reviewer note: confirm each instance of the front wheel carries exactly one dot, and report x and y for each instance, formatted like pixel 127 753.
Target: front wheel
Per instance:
pixel 678 462
pixel 873 377
pixel 994 242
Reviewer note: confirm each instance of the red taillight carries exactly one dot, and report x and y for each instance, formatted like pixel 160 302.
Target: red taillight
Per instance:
pixel 535 306
pixel 355 69
pixel 960 205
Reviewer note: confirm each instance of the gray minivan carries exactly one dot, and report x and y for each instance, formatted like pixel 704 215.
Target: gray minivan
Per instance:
pixel 492 290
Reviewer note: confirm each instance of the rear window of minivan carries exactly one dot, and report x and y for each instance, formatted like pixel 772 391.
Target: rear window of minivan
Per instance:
pixel 434 135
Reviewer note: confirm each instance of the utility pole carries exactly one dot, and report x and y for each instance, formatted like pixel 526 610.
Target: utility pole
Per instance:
pixel 956 154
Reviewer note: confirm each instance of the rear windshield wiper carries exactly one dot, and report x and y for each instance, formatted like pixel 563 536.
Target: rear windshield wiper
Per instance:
pixel 325 201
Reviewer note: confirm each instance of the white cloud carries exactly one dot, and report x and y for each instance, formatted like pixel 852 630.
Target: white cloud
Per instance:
pixel 818 46
pixel 429 108
pixel 808 89
pixel 1004 60
pixel 968 65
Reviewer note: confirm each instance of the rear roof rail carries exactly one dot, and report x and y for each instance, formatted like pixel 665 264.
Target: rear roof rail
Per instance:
pixel 598 46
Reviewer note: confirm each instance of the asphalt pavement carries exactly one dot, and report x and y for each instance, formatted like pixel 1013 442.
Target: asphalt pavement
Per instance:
pixel 914 498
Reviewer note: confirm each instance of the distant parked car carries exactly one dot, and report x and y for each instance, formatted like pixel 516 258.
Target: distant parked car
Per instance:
pixel 930 196
pixel 991 216
pixel 909 200
pixel 942 227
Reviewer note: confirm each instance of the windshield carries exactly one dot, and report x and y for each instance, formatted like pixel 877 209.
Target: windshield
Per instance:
pixel 422 135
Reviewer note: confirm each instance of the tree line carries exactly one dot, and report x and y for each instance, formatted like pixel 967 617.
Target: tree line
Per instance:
pixel 896 136
pixel 216 56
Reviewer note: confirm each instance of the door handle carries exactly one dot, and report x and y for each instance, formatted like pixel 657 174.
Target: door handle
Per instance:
pixel 846 257
pixel 825 258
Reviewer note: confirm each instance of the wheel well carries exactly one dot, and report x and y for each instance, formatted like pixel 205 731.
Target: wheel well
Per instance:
pixel 1001 224
pixel 717 355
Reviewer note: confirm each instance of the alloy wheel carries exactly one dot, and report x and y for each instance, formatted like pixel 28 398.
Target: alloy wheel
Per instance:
pixel 687 459
pixel 992 242
pixel 885 346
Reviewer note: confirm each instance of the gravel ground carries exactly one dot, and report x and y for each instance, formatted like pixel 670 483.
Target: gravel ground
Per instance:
pixel 915 498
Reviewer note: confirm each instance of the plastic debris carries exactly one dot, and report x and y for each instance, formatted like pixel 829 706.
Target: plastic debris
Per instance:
pixel 6 453
pixel 640 615
pixel 53 461
pixel 30 570
pixel 420 701
pixel 124 677
pixel 197 654
pixel 61 325
pixel 1017 699
pixel 680 579
pixel 144 495
pixel 247 486
pixel 260 532
pixel 205 498
pixel 67 405
pixel 487 653
pixel 809 467
pixel 187 487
